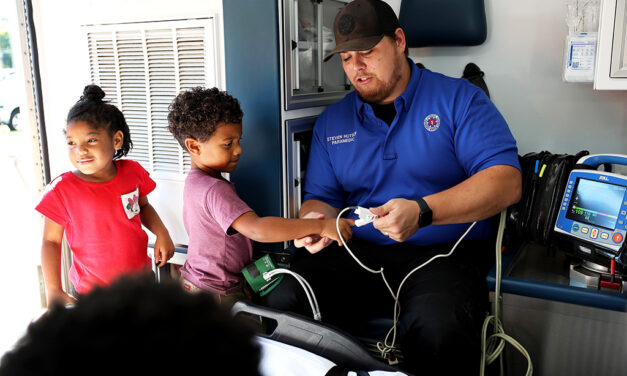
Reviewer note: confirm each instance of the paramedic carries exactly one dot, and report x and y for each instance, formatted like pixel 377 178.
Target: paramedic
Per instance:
pixel 429 154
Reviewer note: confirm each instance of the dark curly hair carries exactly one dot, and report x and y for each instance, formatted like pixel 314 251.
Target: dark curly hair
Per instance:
pixel 196 113
pixel 135 327
pixel 91 109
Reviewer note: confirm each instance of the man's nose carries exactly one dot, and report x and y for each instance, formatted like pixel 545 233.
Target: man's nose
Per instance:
pixel 81 149
pixel 358 63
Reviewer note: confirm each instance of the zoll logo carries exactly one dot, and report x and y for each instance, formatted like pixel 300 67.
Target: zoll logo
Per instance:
pixel 603 178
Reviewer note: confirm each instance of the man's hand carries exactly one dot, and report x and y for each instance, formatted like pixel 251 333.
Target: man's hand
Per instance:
pixel 398 218
pixel 313 243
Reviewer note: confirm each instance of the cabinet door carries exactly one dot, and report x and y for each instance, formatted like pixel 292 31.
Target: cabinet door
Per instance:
pixel 618 67
pixel 611 65
pixel 299 133
pixel 307 38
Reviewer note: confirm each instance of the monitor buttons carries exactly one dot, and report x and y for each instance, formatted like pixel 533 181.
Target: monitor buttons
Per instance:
pixel 585 230
pixel 618 237
pixel 594 233
pixel 605 235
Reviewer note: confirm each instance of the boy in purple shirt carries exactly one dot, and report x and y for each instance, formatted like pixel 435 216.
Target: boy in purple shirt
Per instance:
pixel 208 124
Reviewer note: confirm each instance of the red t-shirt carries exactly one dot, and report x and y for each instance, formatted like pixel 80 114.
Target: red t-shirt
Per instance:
pixel 102 223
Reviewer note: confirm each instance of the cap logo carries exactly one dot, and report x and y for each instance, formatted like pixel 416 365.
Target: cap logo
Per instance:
pixel 346 24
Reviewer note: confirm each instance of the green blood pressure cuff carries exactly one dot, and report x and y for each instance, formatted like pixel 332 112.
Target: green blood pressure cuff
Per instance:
pixel 254 275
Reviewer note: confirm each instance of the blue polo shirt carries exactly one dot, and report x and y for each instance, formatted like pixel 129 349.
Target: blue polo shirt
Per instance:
pixel 445 130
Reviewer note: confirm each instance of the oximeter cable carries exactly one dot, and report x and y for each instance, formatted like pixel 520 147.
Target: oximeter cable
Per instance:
pixel 384 348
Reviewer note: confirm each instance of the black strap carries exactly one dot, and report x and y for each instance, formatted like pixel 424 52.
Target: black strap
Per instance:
pixel 473 74
pixel 337 371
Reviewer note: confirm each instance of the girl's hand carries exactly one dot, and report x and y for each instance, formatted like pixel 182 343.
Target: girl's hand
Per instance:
pixel 164 249
pixel 330 231
pixel 59 296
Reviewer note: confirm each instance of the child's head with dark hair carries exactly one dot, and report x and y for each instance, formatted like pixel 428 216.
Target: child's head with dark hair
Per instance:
pixel 208 124
pixel 100 114
pixel 136 327
pixel 196 113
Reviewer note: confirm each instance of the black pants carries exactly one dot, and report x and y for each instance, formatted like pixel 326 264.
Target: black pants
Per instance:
pixel 443 305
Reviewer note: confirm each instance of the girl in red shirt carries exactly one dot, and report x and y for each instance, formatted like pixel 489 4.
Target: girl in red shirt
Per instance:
pixel 100 206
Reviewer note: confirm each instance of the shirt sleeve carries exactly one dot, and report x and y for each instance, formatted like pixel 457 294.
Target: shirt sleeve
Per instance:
pixel 224 205
pixel 146 184
pixel 321 182
pixel 482 137
pixel 51 204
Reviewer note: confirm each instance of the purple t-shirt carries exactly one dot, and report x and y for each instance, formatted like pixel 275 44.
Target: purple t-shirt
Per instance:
pixel 214 258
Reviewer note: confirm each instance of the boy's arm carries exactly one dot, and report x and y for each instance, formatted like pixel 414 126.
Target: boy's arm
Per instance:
pixel 164 247
pixel 51 263
pixel 277 229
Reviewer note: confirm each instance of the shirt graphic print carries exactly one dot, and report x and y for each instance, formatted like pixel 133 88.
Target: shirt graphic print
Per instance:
pixel 130 202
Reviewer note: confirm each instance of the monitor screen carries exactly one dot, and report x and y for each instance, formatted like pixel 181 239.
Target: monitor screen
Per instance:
pixel 596 203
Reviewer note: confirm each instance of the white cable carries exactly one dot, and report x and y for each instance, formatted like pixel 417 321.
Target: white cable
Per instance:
pixel 384 347
pixel 492 347
pixel 304 284
pixel 397 308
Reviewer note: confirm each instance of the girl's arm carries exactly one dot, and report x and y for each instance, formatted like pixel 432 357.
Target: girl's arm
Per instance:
pixel 164 248
pixel 51 263
pixel 276 229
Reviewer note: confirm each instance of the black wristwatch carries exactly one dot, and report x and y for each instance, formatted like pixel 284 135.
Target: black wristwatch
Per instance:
pixel 426 215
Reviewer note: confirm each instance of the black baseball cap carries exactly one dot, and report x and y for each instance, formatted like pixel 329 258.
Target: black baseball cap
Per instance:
pixel 361 24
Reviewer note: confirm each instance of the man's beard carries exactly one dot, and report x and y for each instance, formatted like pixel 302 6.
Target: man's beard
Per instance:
pixel 383 90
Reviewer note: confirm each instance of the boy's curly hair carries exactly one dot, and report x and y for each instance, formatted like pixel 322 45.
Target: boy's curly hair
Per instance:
pixel 196 113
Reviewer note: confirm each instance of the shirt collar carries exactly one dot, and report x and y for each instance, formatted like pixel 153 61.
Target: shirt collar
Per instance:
pixel 404 99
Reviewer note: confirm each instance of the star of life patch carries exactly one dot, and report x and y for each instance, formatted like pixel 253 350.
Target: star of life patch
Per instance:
pixel 432 122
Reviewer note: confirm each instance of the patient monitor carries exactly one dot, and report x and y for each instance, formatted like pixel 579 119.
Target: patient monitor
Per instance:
pixel 593 211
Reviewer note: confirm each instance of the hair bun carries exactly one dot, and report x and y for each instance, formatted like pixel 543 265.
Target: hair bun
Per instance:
pixel 92 93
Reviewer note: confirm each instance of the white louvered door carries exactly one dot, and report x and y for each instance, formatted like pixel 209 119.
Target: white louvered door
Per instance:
pixel 141 67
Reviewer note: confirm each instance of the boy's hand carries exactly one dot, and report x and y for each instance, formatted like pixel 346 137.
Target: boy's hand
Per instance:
pixel 314 242
pixel 164 249
pixel 330 231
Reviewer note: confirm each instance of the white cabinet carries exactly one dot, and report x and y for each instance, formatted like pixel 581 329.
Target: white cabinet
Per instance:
pixel 611 64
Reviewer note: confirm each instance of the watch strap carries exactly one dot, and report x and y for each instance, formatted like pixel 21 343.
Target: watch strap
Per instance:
pixel 426 215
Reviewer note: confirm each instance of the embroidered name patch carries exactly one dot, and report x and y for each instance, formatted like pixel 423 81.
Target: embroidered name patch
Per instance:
pixel 342 138
pixel 432 122
pixel 130 202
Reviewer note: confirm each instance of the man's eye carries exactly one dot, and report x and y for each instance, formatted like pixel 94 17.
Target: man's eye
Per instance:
pixel 70 143
pixel 347 58
pixel 228 145
pixel 92 140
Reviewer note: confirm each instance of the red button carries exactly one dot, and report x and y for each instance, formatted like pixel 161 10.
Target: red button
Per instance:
pixel 618 237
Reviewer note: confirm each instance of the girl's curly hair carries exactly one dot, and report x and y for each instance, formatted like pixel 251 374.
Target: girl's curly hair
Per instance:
pixel 91 109
pixel 196 113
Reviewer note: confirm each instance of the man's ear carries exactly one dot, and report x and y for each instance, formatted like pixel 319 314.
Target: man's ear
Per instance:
pixel 399 37
pixel 192 145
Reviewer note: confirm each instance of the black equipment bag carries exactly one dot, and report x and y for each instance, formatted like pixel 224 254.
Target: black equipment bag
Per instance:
pixel 544 177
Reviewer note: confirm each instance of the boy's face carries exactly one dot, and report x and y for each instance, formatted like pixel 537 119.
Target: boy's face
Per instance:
pixel 220 153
